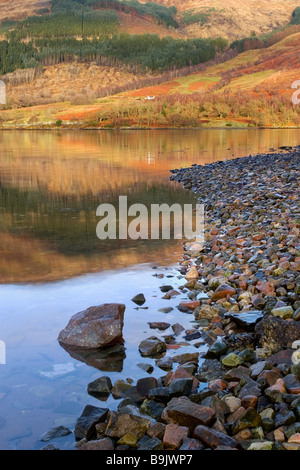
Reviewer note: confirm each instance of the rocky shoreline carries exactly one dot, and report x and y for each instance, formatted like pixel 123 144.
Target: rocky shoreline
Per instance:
pixel 243 290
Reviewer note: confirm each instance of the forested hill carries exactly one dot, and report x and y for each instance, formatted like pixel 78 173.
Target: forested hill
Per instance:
pixel 87 31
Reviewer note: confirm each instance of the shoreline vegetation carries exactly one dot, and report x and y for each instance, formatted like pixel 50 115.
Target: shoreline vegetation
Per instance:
pixel 242 290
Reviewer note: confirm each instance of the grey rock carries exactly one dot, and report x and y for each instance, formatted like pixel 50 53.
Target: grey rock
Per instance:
pixel 139 299
pixel 86 424
pixel 54 433
pixel 100 387
pixel 152 346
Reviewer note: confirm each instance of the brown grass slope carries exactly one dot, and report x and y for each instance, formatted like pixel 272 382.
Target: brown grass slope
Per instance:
pixel 256 82
pixel 229 18
pixel 15 10
pixel 235 18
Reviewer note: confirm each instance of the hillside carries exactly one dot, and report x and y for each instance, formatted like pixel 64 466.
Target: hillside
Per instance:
pixel 231 18
pixel 130 21
pixel 71 66
pixel 251 89
pixel 15 10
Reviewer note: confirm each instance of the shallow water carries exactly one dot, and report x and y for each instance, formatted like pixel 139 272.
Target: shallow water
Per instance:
pixel 52 265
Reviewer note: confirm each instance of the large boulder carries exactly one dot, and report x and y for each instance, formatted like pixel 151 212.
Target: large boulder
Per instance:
pixel 273 333
pixel 96 327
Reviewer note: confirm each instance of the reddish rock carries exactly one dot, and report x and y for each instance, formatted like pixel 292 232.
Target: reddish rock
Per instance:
pixel 192 273
pixel 258 236
pixel 243 284
pixel 170 294
pixel 94 328
pixel 157 430
pixel 243 435
pixel 233 230
pixel 266 288
pixel 191 444
pixel 279 386
pixel 282 357
pixel 191 305
pixel 292 384
pixel 240 241
pixel 213 439
pixel 236 415
pixel 217 385
pixel 180 373
pixel 269 376
pixel 294 439
pixel 279 435
pixel 174 436
pixel 249 400
pixel 231 386
pixel 237 373
pixel 222 291
pixel 184 412
pixel 101 444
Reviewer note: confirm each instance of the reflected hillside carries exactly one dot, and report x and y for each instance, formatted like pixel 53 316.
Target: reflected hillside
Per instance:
pixel 49 237
pixel 72 163
pixel 51 184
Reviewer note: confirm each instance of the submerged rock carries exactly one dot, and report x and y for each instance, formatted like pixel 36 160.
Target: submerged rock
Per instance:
pixel 152 346
pixel 139 299
pixel 54 433
pixel 100 388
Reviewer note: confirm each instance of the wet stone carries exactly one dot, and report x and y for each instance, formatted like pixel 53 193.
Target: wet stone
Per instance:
pixel 146 367
pixel 152 408
pixel 152 346
pixel 54 433
pixel 150 443
pixel 85 425
pixel 159 325
pixel 181 387
pixel 174 436
pixel 191 444
pixel 213 438
pixel 184 412
pixel 139 299
pixel 100 388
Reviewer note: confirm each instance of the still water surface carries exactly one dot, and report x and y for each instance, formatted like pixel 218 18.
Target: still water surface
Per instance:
pixel 52 265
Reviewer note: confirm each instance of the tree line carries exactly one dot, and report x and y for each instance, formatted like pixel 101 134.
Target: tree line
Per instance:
pixel 148 52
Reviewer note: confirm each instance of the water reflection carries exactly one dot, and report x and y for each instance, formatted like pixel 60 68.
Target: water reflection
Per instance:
pixel 52 182
pixel 107 360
